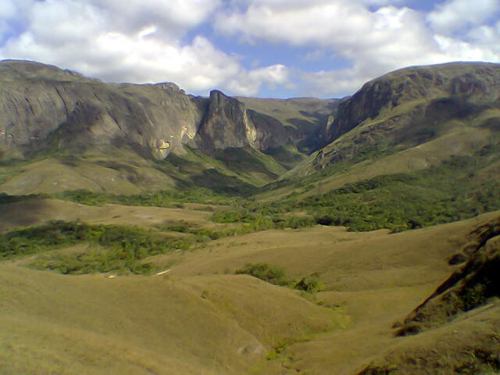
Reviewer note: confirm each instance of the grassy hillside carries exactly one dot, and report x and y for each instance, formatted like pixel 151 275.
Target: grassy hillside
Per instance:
pixel 232 171
pixel 377 254
pixel 204 315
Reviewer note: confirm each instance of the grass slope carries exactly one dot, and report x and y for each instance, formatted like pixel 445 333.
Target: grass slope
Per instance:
pixel 75 324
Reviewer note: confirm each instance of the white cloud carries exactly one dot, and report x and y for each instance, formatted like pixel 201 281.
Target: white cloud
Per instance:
pixel 249 83
pixel 136 42
pixel 456 15
pixel 13 15
pixel 375 41
pixel 147 40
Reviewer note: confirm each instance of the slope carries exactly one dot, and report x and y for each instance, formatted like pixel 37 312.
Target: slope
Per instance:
pixel 138 324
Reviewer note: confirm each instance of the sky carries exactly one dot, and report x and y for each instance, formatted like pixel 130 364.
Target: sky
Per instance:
pixel 264 48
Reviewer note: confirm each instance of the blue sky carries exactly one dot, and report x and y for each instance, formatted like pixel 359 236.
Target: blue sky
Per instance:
pixel 266 48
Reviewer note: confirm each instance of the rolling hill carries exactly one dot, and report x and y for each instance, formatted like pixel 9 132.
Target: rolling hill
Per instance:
pixel 147 231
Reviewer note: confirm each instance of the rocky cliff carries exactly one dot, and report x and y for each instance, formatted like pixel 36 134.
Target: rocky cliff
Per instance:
pixel 458 82
pixel 44 107
pixel 410 107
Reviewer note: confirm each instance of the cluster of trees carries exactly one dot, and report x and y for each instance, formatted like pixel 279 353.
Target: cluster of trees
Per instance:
pixel 166 198
pixel 397 202
pixel 116 248
pixel 276 275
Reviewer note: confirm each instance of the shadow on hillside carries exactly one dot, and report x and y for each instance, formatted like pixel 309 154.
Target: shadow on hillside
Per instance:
pixel 223 184
pixel 22 213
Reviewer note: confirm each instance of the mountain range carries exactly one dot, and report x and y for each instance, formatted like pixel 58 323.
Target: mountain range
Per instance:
pixel 144 230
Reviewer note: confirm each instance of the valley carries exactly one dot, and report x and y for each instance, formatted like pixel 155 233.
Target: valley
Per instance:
pixel 147 231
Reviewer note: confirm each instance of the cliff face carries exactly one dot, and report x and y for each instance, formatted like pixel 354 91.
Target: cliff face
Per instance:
pixel 411 107
pixel 225 124
pixel 476 82
pixel 228 123
pixel 44 107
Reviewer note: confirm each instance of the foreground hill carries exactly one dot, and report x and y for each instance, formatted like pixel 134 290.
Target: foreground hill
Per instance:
pixel 199 317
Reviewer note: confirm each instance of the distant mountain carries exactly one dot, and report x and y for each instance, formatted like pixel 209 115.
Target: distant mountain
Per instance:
pixel 411 107
pixel 44 106
pixel 71 132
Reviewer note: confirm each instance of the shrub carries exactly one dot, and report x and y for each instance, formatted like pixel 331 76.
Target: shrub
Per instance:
pixel 276 275
pixel 310 284
pixel 272 274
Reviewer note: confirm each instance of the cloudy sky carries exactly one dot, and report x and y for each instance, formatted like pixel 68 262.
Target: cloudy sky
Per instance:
pixel 268 48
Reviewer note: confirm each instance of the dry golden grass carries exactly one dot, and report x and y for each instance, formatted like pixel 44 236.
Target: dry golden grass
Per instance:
pixel 91 324
pixel 35 212
pixel 199 318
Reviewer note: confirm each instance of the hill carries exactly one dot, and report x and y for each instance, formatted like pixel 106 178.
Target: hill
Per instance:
pixel 144 230
pixel 199 317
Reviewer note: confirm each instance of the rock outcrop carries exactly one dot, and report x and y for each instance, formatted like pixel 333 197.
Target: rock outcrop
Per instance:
pixel 46 108
pixel 43 107
pixel 410 107
pixel 225 124
pixel 458 82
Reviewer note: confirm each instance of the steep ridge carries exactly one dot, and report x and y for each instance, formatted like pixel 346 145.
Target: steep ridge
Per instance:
pixel 228 124
pixel 45 107
pixel 54 110
pixel 411 107
pixel 62 131
pixel 306 120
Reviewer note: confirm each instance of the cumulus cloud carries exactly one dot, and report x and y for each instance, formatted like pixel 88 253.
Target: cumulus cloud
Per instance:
pixel 159 40
pixel 13 16
pixel 374 40
pixel 249 83
pixel 139 42
pixel 455 15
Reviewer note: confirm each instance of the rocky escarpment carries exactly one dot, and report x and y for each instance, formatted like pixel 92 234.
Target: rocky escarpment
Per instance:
pixel 225 124
pixel 472 285
pixel 228 123
pixel 46 108
pixel 410 107
pixel 479 82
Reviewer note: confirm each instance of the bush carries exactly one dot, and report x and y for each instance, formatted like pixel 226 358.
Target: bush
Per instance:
pixel 272 274
pixel 276 275
pixel 308 284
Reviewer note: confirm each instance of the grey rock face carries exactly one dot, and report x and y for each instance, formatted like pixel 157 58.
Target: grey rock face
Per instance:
pixel 77 113
pixel 410 107
pixel 479 82
pixel 225 124
pixel 46 108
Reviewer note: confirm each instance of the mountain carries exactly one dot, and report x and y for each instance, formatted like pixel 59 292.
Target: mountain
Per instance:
pixel 44 107
pixel 144 230
pixel 414 106
pixel 117 132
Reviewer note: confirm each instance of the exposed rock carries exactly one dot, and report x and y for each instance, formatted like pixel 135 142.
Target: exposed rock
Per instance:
pixel 46 108
pixel 225 124
pixel 478 82
pixel 410 107
pixel 471 286
pixel 65 111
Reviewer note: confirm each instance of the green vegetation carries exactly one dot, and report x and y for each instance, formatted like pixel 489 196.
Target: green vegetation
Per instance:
pixel 165 198
pixel 272 274
pixel 443 194
pixel 5 198
pixel 276 275
pixel 113 248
